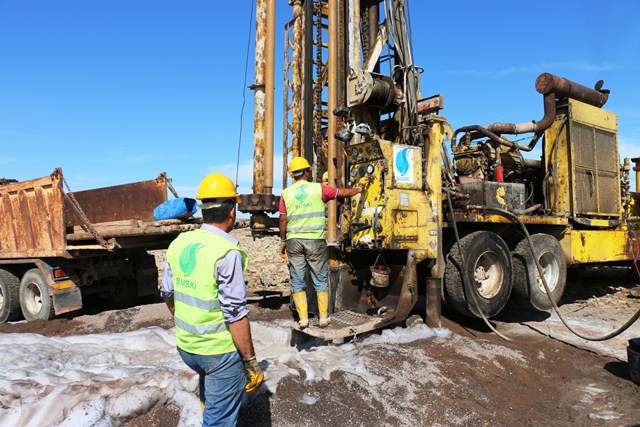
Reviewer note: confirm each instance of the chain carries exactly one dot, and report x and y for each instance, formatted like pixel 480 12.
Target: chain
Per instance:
pixel 108 245
pixel 169 185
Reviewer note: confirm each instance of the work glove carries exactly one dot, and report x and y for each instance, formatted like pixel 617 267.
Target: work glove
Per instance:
pixel 256 376
pixel 282 250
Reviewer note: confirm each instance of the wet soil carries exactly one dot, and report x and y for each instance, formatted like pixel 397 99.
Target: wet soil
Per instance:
pixel 542 376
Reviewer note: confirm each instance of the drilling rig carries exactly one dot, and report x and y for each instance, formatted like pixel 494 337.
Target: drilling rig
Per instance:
pixel 467 228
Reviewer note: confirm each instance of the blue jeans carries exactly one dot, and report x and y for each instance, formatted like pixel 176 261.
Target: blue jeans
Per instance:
pixel 222 381
pixel 303 255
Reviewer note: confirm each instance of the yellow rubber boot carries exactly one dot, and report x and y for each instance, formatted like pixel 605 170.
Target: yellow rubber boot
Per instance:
pixel 300 300
pixel 323 309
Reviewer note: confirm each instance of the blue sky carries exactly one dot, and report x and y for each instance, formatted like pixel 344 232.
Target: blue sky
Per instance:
pixel 117 91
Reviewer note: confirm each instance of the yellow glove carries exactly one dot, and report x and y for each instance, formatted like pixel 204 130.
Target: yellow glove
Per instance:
pixel 256 376
pixel 282 250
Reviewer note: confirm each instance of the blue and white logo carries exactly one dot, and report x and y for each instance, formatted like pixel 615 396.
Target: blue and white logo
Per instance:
pixel 403 164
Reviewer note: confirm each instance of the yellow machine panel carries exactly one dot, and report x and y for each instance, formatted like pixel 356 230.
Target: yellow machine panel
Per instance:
pixel 594 246
pixel 593 116
pixel 582 145
pixel 393 211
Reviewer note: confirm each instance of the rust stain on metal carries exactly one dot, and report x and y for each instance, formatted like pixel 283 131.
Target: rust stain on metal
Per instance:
pixel 269 87
pixel 547 83
pixel 31 218
pixel 583 240
pixel 259 97
pixel 633 245
pixel 127 201
pixel 297 65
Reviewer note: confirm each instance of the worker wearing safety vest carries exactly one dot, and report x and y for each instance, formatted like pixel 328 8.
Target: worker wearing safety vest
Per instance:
pixel 302 231
pixel 204 288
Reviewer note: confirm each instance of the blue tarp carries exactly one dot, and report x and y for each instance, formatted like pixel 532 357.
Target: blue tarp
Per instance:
pixel 181 207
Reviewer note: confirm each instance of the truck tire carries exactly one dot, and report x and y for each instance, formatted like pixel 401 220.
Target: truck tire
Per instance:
pixel 35 298
pixel 123 293
pixel 487 263
pixel 527 285
pixel 9 296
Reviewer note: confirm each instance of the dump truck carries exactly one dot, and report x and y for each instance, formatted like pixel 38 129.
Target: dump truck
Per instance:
pixel 57 246
pixel 463 217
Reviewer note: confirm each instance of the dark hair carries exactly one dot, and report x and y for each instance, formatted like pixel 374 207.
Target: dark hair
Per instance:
pixel 219 214
pixel 298 174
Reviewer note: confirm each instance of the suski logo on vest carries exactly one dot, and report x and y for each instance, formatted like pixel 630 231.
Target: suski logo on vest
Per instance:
pixel 300 194
pixel 188 258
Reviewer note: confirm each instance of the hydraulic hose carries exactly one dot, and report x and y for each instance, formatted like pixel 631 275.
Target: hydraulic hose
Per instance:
pixel 517 221
pixel 463 276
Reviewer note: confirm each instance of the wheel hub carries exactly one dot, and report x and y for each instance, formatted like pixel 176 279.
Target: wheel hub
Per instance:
pixel 488 274
pixel 550 270
pixel 33 298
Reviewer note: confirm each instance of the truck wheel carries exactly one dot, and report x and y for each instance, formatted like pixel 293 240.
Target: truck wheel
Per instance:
pixel 487 265
pixel 9 296
pixel 35 298
pixel 527 284
pixel 123 293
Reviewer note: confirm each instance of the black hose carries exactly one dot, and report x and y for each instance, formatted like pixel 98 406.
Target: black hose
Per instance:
pixel 553 171
pixel 463 275
pixel 615 333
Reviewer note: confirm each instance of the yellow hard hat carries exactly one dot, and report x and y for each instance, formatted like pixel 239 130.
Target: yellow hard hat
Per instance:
pixel 298 163
pixel 216 186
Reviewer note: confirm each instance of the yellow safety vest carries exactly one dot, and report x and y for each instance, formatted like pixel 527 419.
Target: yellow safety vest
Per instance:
pixel 305 210
pixel 200 325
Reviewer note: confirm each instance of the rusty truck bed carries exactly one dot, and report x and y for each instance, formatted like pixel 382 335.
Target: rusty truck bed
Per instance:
pixel 39 220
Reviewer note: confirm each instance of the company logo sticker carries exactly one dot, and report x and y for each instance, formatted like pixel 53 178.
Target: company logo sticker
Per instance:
pixel 403 164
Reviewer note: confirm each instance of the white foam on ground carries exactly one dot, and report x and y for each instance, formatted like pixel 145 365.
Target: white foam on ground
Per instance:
pixel 105 379
pixel 92 379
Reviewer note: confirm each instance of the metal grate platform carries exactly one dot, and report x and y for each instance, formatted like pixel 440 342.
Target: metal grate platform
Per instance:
pixel 345 324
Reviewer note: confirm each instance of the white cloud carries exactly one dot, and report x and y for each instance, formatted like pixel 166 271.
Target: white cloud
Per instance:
pixel 130 156
pixel 628 148
pixel 578 66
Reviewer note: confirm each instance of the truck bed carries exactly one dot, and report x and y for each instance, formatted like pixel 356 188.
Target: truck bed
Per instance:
pixel 39 220
pixel 130 234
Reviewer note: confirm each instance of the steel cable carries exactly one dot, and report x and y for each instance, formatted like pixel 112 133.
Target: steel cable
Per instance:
pixel 244 89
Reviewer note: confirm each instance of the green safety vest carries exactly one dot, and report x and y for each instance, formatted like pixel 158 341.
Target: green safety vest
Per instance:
pixel 200 325
pixel 305 210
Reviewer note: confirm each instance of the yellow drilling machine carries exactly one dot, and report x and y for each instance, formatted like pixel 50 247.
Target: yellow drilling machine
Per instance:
pixel 456 215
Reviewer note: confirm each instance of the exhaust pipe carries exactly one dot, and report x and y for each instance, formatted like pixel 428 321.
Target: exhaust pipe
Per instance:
pixel 553 87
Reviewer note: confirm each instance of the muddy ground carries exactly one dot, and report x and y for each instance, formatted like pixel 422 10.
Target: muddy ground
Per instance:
pixel 543 376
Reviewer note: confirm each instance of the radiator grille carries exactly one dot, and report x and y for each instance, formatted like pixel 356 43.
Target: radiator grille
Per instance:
pixel 595 163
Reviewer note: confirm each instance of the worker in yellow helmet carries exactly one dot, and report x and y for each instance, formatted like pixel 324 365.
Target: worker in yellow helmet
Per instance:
pixel 204 287
pixel 302 231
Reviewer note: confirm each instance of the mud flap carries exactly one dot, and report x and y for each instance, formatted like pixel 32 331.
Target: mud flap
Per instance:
pixel 66 299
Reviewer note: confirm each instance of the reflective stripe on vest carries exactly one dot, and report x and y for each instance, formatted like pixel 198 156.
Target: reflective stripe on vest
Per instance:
pixel 305 210
pixel 200 325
